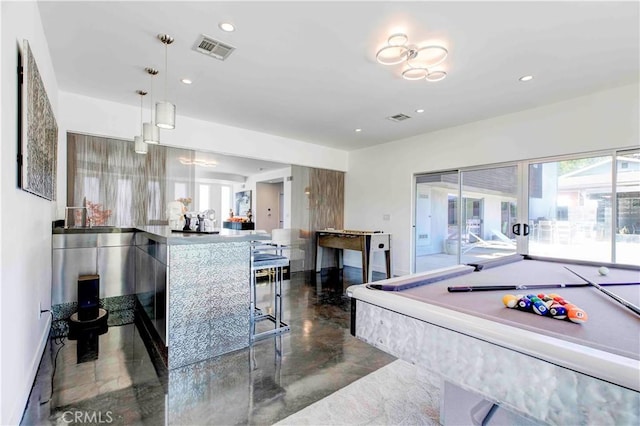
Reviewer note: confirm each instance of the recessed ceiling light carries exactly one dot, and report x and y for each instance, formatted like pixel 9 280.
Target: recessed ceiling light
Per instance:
pixel 420 111
pixel 358 130
pixel 186 81
pixel 225 26
pixel 526 78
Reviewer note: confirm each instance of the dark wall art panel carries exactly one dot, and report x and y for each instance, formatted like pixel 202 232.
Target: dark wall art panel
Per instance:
pixel 39 132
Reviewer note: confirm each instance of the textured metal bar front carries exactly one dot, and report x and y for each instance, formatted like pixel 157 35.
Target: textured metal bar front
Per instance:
pixel 209 304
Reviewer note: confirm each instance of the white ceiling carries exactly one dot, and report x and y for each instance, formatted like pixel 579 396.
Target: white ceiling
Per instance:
pixel 307 70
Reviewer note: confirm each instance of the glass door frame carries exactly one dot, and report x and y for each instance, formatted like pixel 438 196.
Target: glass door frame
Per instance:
pixel 523 166
pixel 414 206
pixel 521 215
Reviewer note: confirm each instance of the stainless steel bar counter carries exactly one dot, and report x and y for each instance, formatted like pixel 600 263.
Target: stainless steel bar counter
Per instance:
pixel 207 282
pixel 193 288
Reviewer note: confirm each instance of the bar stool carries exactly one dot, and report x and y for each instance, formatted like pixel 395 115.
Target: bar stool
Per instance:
pixel 260 261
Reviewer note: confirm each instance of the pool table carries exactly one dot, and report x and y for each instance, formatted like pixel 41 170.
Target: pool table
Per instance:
pixel 544 369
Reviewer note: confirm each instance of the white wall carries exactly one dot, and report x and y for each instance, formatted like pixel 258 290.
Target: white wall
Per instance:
pixel 602 120
pixel 25 224
pixel 82 114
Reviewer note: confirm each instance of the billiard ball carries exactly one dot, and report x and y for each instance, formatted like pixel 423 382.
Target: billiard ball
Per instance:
pixel 539 307
pixel 524 304
pixel 577 315
pixel 560 300
pixel 603 270
pixel 558 311
pixel 510 301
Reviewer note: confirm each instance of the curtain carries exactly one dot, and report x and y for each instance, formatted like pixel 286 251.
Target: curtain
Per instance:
pixel 118 186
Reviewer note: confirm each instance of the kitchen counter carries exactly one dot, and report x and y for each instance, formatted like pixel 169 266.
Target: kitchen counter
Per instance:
pixel 93 230
pixel 164 234
pixel 192 289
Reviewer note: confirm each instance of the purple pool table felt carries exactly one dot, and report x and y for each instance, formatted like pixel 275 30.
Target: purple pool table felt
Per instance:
pixel 611 327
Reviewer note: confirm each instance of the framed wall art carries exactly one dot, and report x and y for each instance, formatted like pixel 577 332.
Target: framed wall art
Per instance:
pixel 243 202
pixel 38 135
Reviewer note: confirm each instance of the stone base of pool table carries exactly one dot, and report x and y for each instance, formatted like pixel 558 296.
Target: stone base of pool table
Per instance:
pixel 535 388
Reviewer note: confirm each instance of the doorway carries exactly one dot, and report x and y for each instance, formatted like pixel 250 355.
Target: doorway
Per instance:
pixel 268 211
pixel 446 234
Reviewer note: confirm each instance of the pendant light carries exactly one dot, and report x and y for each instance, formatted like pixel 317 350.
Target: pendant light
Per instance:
pixel 151 132
pixel 140 145
pixel 165 111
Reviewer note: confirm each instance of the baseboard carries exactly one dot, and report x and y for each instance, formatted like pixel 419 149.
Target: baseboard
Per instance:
pixel 18 410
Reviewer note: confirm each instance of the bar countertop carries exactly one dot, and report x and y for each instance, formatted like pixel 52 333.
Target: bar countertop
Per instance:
pixel 93 230
pixel 165 235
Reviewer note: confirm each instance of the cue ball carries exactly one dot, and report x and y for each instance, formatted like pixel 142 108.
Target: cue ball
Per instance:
pixel 603 270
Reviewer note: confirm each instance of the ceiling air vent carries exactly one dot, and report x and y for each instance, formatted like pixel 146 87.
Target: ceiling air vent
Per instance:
pixel 209 46
pixel 398 117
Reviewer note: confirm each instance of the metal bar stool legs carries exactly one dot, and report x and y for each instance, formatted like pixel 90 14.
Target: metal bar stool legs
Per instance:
pixel 266 261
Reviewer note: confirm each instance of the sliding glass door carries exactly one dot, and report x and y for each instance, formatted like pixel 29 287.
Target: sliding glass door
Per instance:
pixel 579 208
pixel 627 224
pixel 436 230
pixel 490 199
pixel 464 217
pixel 586 208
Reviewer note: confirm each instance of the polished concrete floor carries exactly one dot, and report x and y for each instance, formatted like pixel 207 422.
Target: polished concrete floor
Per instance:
pixel 274 378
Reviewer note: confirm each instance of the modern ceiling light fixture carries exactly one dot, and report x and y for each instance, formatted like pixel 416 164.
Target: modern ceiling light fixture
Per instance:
pixel 227 27
pixel 419 61
pixel 140 145
pixel 526 78
pixel 197 162
pixel 151 132
pixel 165 111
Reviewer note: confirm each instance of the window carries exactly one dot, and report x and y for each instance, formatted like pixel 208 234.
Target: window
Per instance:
pixel 579 207
pixel 154 209
pixel 124 200
pixel 203 199
pixel 225 200
pixel 627 225
pixel 121 188
pixel 572 219
pixel 180 190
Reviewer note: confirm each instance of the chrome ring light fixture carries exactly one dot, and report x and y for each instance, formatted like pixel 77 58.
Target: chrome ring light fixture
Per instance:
pixel 419 60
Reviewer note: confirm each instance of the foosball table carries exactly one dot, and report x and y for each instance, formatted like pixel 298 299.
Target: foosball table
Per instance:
pixel 366 242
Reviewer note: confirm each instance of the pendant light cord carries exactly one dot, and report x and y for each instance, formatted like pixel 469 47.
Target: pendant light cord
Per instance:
pixel 141 119
pixel 151 100
pixel 166 68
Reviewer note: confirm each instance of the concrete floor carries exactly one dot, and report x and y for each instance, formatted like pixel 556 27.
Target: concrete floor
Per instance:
pixel 262 384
